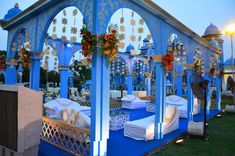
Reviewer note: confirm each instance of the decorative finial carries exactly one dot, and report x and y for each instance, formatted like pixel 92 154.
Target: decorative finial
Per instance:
pixel 16 5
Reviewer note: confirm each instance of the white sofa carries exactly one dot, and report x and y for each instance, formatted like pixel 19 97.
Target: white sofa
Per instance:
pixel 182 105
pixel 54 107
pixel 143 129
pixel 133 102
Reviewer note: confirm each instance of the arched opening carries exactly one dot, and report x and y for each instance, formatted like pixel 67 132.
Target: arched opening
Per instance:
pixel 21 45
pixel 135 43
pixel 61 49
pixel 175 76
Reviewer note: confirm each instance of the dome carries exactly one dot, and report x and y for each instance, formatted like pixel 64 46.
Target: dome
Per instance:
pixel 146 40
pixel 12 13
pixel 214 43
pixel 129 48
pixel 212 30
pixel 228 62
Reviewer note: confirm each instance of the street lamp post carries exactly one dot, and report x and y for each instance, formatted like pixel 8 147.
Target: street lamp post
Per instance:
pixel 231 37
pixel 230 30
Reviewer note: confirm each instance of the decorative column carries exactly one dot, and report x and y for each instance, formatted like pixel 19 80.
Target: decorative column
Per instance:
pixel 20 72
pixel 35 70
pixel 11 73
pixel 64 77
pixel 218 91
pixel 148 83
pixel 100 90
pixel 189 69
pixel 179 80
pixel 160 96
pixel 208 98
pixel 71 82
pixel 190 50
pixel 129 84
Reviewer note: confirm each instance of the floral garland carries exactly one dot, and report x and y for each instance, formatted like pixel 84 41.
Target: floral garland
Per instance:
pixel 88 43
pixel 168 61
pixel 2 63
pixel 110 43
pixel 212 71
pixel 197 65
pixel 25 57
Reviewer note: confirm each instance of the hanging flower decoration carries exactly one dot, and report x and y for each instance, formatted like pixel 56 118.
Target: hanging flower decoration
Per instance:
pixel 2 62
pixel 197 65
pixel 25 57
pixel 88 43
pixel 168 61
pixel 110 43
pixel 212 71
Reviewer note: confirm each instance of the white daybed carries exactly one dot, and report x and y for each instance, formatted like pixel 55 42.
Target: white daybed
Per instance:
pixel 143 129
pixel 54 107
pixel 133 102
pixel 182 105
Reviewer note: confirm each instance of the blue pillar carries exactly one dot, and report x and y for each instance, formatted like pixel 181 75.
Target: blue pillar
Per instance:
pixel 100 105
pixel 218 92
pixel 35 71
pixel 71 82
pixel 10 77
pixel 64 77
pixel 148 85
pixel 179 83
pixel 20 73
pixel 208 99
pixel 130 84
pixel 160 100
pixel 190 96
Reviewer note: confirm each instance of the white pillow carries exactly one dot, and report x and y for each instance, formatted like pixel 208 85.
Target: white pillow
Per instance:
pixel 170 111
pixel 82 120
pixel 68 115
pixel 130 98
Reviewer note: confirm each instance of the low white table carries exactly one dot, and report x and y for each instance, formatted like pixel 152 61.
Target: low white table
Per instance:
pixel 117 119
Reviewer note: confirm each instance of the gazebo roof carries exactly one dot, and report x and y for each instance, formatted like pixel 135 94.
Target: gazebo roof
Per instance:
pixel 12 13
pixel 152 7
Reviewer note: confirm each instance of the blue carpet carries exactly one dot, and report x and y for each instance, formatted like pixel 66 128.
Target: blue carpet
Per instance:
pixel 119 145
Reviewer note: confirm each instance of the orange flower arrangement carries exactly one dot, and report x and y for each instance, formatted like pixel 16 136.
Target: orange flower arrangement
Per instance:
pixel 168 61
pixel 88 43
pixel 25 57
pixel 212 71
pixel 2 63
pixel 110 43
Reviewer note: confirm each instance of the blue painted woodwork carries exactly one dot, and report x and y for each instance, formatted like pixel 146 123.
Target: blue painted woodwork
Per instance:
pixel 64 82
pixel 20 70
pixel 65 51
pixel 97 15
pixel 10 74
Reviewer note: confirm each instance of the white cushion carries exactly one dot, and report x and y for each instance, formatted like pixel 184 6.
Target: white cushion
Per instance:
pixel 82 120
pixel 130 98
pixel 68 115
pixel 175 100
pixel 170 111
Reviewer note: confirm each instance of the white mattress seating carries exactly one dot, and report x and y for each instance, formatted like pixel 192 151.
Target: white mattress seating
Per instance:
pixel 143 129
pixel 54 107
pixel 133 102
pixel 182 105
pixel 82 120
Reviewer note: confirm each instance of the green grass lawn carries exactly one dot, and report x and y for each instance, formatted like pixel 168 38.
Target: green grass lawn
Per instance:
pixel 221 140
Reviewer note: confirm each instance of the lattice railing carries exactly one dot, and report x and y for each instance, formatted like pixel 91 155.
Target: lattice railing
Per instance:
pixel 67 137
pixel 114 103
